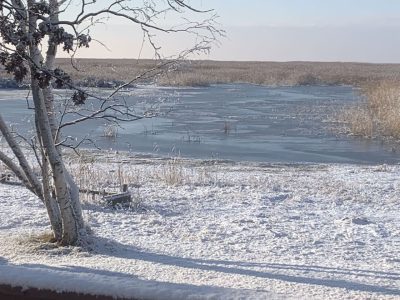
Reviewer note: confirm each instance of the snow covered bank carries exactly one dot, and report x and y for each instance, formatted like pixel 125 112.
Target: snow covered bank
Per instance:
pixel 221 231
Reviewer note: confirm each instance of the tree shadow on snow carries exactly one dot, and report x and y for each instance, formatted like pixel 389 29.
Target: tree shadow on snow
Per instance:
pixel 115 249
pixel 3 261
pixel 149 289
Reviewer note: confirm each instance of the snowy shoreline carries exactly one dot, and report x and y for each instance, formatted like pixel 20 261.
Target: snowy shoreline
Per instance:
pixel 214 230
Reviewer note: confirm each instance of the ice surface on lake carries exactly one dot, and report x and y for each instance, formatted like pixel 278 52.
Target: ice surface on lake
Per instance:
pixel 237 122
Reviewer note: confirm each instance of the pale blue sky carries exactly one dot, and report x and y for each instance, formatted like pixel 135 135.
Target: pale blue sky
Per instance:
pixel 302 12
pixel 283 30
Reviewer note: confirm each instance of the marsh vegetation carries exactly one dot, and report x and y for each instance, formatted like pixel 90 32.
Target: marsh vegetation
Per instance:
pixel 204 73
pixel 375 116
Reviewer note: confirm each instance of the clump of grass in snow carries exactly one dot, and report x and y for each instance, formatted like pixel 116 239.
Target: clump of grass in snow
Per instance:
pixel 44 237
pixel 109 172
pixel 92 175
pixel 378 114
pixel 37 242
pixel 172 173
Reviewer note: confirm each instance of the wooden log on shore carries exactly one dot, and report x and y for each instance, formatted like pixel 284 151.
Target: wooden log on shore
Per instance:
pixel 114 200
pixel 119 200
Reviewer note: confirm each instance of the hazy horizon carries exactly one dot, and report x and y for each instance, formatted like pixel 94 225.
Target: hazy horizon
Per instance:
pixel 238 61
pixel 365 31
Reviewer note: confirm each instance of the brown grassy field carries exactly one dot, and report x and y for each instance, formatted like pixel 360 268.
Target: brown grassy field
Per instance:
pixel 280 73
pixel 203 73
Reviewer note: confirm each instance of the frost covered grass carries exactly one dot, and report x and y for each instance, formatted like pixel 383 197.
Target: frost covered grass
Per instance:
pixel 99 172
pixel 222 231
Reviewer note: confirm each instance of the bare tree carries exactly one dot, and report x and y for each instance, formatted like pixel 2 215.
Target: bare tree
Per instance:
pixel 31 33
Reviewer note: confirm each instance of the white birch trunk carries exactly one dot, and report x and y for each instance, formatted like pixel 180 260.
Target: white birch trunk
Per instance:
pixel 53 210
pixel 49 100
pixel 70 225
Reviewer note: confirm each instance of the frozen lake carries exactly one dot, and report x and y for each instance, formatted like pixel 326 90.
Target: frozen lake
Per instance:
pixel 235 122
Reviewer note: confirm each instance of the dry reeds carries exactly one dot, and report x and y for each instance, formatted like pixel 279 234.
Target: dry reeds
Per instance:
pixel 201 73
pixel 172 173
pixel 378 114
pixel 358 120
pixel 111 72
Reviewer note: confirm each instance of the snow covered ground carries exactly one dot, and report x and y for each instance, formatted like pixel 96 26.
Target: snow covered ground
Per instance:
pixel 202 230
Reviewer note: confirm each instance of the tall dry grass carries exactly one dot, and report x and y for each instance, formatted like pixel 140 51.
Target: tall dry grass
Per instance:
pixel 279 73
pixel 108 172
pixel 105 72
pixel 378 115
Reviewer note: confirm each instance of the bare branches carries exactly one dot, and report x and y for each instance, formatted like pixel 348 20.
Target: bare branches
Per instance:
pixel 25 26
pixel 150 16
pixel 116 112
pixel 150 73
pixel 183 4
pixel 147 15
